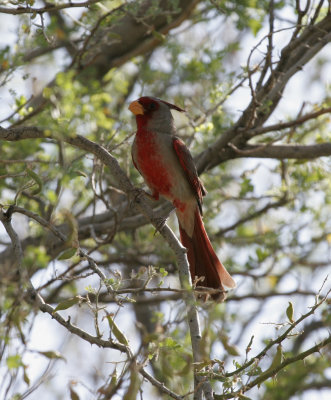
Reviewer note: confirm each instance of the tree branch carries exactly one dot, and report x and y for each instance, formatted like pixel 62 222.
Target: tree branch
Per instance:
pixel 132 35
pixel 283 152
pixel 277 152
pixel 294 56
pixel 56 7
pixel 289 124
pixel 141 205
pixel 253 215
pixel 264 376
pixel 280 338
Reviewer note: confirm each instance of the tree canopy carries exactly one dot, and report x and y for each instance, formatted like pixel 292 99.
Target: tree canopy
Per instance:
pixel 95 300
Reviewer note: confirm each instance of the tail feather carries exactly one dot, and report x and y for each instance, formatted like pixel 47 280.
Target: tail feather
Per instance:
pixel 202 257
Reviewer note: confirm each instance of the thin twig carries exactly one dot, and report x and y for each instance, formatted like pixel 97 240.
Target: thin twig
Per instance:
pixel 280 338
pixel 48 8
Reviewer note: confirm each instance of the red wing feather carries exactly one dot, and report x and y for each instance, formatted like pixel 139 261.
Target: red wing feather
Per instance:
pixel 187 163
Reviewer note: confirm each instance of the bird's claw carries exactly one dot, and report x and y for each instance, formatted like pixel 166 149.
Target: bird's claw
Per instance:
pixel 160 222
pixel 137 193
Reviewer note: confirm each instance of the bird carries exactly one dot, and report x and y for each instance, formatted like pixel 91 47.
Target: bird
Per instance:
pixel 168 169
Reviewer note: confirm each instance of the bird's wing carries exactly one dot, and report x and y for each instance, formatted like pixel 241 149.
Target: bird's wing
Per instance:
pixel 187 163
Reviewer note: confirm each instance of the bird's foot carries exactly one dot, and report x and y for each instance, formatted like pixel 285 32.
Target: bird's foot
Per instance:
pixel 160 222
pixel 136 194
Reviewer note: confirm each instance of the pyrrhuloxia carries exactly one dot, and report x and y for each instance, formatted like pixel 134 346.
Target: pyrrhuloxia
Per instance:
pixel 168 169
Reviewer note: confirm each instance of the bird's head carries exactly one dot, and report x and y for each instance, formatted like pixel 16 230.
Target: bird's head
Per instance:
pixel 153 114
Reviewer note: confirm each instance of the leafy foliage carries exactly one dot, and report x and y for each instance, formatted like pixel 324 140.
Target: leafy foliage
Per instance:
pixel 76 252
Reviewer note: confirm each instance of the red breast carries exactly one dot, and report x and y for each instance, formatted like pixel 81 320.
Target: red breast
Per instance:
pixel 151 163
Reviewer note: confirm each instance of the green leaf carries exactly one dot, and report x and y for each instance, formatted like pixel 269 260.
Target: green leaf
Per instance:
pixel 52 355
pixel 72 238
pixel 80 173
pixel 163 272
pixel 37 180
pixel 36 257
pixel 277 359
pixel 255 25
pixel 14 362
pixel 51 196
pixel 231 349
pixel 242 397
pixel 25 376
pixel 64 305
pixel 159 36
pixel 262 254
pixel 249 346
pixel 116 331
pixel 107 390
pixel 169 343
pixel 132 390
pixel 114 378
pixel 73 394
pixel 67 253
pixel 246 187
pixel 187 367
pixel 254 371
pixel 198 366
pixel 47 92
pixel 289 312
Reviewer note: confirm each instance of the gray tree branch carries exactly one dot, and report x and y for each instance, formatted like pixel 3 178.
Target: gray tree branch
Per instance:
pixel 294 57
pixel 141 206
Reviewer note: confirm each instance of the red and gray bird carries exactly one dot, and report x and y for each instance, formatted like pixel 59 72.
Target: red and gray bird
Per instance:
pixel 168 169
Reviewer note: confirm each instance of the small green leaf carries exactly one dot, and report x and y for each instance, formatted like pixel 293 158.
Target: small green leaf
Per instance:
pixel 67 253
pixel 13 362
pixel 52 355
pixel 73 394
pixel 73 234
pixel 242 397
pixel 246 187
pixel 187 367
pixel 262 254
pixel 277 359
pixel 198 366
pixel 64 305
pixel 25 376
pixel 254 371
pixel 116 331
pixel 114 378
pixel 159 36
pixel 249 346
pixel 107 390
pixel 255 25
pixel 47 92
pixel 289 312
pixel 80 173
pixel 37 180
pixel 231 349
pixel 132 390
pixel 169 343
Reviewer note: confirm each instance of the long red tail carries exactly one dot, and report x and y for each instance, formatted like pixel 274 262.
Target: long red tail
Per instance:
pixel 202 257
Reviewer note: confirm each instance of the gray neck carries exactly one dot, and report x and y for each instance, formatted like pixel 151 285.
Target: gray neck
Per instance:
pixel 162 121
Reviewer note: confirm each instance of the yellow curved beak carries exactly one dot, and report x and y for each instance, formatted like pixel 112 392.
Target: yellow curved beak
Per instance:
pixel 136 108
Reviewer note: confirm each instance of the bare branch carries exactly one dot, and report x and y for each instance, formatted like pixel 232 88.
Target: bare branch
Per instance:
pixel 280 338
pixel 48 8
pixel 294 56
pixel 282 152
pixel 284 125
pixel 141 205
pixel 40 221
pixel 264 376
pixel 5 218
pixel 131 36
pixel 254 215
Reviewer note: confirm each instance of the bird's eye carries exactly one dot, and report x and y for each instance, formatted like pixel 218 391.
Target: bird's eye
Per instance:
pixel 152 106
